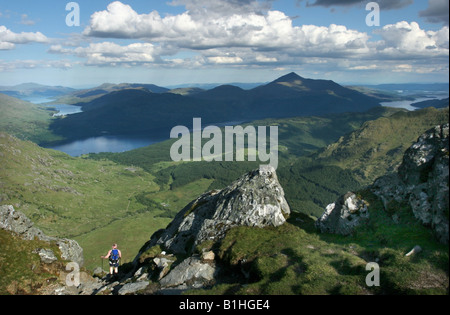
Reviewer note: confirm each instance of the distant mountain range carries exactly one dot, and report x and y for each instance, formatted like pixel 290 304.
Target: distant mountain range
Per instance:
pixel 33 90
pixel 87 95
pixel 148 109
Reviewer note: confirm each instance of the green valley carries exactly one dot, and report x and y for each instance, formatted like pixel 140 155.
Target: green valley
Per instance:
pixel 242 149
pixel 123 197
pixel 73 197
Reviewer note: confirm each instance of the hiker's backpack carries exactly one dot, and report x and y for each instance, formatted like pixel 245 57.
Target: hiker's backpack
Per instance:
pixel 114 255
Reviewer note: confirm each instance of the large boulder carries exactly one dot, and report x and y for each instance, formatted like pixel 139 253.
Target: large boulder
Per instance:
pixel 256 200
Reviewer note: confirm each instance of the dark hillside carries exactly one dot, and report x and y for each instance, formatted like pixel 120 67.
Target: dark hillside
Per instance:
pixel 140 111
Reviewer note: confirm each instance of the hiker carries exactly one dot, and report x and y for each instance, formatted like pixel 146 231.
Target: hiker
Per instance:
pixel 114 256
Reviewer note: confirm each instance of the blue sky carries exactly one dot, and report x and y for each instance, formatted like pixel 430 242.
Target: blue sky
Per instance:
pixel 221 41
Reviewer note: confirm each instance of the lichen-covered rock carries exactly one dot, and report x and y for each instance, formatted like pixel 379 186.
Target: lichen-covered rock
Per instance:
pixel 256 200
pixel 343 216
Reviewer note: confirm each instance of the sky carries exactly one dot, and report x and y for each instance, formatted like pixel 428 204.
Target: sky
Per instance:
pixel 86 43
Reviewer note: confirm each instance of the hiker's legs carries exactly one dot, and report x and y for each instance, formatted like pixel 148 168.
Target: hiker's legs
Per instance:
pixel 116 270
pixel 111 270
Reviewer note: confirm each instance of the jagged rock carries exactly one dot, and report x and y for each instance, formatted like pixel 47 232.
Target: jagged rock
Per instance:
pixel 71 250
pixel 132 288
pixel 344 215
pixel 256 199
pixel 192 271
pixel 163 264
pixel 19 224
pixel 422 181
pixel 423 155
pixel 139 273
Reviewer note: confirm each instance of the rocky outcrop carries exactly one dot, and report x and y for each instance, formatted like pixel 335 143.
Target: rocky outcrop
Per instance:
pixel 256 199
pixel 55 265
pixel 18 223
pixel 422 181
pixel 343 216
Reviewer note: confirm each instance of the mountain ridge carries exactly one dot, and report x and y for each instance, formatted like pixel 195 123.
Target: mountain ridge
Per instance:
pixel 222 104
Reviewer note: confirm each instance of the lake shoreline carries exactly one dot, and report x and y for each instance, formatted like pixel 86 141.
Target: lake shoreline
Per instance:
pixel 109 143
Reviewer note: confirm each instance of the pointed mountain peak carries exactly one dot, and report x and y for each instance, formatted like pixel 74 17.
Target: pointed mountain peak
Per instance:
pixel 292 81
pixel 291 77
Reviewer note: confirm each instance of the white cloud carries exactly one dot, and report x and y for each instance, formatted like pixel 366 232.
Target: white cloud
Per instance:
pixel 272 30
pixel 366 67
pixel 34 64
pixel 107 53
pixel 403 39
pixel 121 21
pixel 403 68
pixel 225 60
pixel 6 45
pixel 250 33
pixel 441 37
pixel 262 58
pixel 8 39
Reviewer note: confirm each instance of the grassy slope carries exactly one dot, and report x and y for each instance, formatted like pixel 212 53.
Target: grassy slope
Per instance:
pixel 295 259
pixel 25 120
pixel 377 145
pixel 21 269
pixel 310 183
pixel 356 160
pixel 100 202
pixel 90 201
